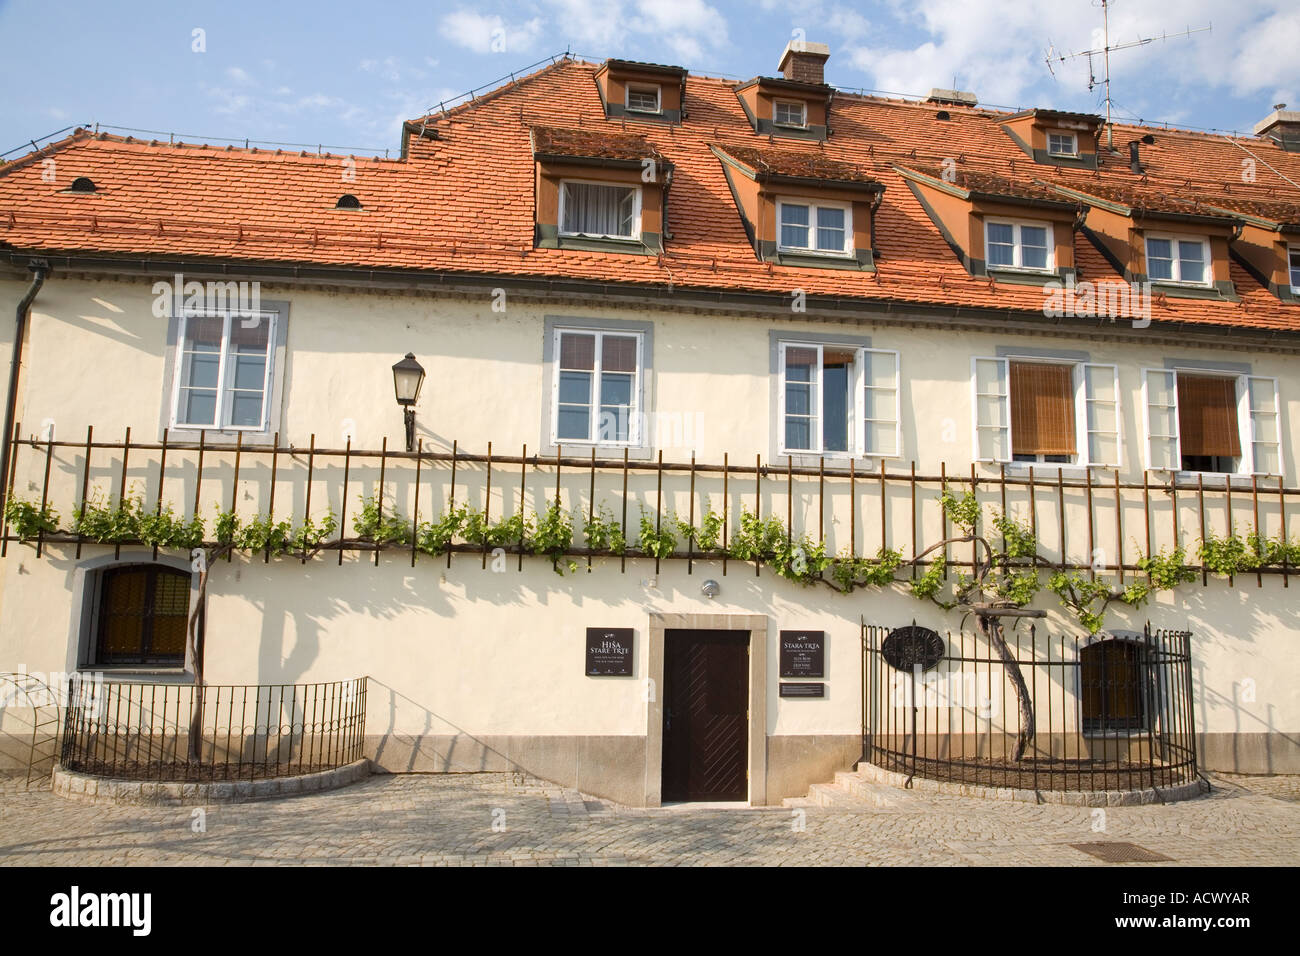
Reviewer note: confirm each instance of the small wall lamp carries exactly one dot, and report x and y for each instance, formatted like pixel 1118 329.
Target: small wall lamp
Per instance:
pixel 408 376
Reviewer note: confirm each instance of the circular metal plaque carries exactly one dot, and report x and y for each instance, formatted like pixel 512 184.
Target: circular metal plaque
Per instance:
pixel 913 646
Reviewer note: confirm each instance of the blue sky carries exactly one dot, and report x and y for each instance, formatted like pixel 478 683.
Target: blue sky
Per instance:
pixel 346 73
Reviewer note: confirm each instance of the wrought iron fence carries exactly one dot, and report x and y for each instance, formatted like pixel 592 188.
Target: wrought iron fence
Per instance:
pixel 1111 712
pixel 215 732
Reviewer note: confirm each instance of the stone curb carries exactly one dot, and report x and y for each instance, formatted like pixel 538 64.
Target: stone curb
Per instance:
pixel 1074 798
pixel 87 789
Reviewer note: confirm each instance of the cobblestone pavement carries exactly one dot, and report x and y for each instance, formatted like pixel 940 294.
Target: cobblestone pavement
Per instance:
pixel 505 820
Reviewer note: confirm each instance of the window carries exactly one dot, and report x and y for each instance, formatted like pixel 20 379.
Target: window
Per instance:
pixel 1046 412
pixel 1175 259
pixel 1062 144
pixel 143 616
pixel 223 371
pixel 789 113
pixel 1293 260
pixel 1113 691
pixel 838 400
pixel 1019 245
pixel 824 228
pixel 600 210
pixel 597 387
pixel 643 99
pixel 1219 423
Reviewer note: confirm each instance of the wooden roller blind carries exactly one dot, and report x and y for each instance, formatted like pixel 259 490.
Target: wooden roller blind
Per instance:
pixel 1207 415
pixel 1042 409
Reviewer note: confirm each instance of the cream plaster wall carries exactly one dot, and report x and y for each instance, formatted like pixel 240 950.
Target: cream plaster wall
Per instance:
pixel 501 653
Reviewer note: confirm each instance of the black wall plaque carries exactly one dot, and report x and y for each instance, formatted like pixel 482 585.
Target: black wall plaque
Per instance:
pixel 609 652
pixel 803 653
pixel 803 690
pixel 912 646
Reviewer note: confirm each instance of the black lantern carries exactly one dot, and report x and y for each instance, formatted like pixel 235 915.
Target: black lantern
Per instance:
pixel 408 376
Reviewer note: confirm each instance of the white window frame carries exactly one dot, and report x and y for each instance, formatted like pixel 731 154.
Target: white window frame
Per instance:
pixel 858 385
pixel 1292 270
pixel 1074 140
pixel 643 88
pixel 1247 461
pixel 813 205
pixel 636 416
pixel 1017 246
pixel 1176 262
pixel 1083 422
pixel 224 371
pixel 636 210
pixel 803 114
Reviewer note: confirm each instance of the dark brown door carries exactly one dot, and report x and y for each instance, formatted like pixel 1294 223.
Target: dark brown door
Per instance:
pixel 706 715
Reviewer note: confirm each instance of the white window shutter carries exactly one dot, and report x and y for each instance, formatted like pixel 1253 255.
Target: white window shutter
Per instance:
pixel 1264 425
pixel 1101 441
pixel 881 419
pixel 991 409
pixel 1160 412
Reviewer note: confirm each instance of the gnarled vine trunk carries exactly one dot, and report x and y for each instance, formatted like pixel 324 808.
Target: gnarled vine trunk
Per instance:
pixel 991 628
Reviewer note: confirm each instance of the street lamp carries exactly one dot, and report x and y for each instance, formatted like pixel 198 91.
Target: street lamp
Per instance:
pixel 408 376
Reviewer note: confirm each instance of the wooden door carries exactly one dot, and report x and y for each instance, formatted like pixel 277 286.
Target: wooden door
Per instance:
pixel 706 715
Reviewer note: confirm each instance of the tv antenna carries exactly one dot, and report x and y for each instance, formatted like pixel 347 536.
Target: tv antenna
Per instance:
pixel 1105 52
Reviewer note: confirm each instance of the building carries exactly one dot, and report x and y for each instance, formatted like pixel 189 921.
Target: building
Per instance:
pixel 639 292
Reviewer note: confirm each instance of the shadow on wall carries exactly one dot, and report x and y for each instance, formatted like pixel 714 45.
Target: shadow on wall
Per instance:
pixel 1255 744
pixel 421 751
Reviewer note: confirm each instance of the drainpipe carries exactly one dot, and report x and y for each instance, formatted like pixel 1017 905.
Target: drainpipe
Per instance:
pixel 39 268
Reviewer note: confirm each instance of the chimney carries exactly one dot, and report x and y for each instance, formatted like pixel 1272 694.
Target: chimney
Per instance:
pixel 1282 126
pixel 951 97
pixel 804 62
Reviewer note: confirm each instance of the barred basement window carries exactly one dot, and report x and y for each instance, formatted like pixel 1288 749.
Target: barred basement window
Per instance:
pixel 143 616
pixel 1113 695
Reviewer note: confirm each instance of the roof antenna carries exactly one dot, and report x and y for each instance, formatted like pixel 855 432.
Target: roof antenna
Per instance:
pixel 1104 53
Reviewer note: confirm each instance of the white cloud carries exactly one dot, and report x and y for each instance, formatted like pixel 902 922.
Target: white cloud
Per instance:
pixel 998 50
pixel 489 33
pixel 239 75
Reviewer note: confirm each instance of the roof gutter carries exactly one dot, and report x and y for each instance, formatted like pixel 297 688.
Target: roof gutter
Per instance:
pixel 463 283
pixel 39 268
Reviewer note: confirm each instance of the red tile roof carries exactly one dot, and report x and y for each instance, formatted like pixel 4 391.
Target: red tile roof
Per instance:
pixel 979 183
pixel 592 144
pixel 463 202
pixel 798 163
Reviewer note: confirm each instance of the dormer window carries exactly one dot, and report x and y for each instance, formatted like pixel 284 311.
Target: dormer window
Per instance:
pixel 1018 245
pixel 648 92
pixel 790 113
pixel 1178 259
pixel 821 228
pixel 643 98
pixel 1293 254
pixel 599 210
pixel 598 190
pixel 1062 143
